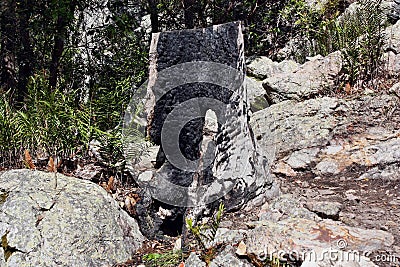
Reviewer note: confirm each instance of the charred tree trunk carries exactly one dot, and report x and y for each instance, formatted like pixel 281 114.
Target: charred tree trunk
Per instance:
pixel 8 35
pixel 195 79
pixel 64 19
pixel 189 7
pixel 25 53
pixel 153 16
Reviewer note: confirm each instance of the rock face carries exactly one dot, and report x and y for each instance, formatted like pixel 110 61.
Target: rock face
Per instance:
pixel 392 48
pixel 392 9
pixel 257 96
pixel 339 159
pixel 310 79
pixel 264 67
pixel 193 72
pixel 48 220
pixel 303 235
pixel 293 126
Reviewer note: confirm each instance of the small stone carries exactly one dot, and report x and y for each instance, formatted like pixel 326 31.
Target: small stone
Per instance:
pixel 227 236
pixel 194 261
pixel 145 176
pixel 289 206
pixel 226 224
pixel 302 158
pixel 241 249
pixel 350 194
pixel 327 167
pixel 369 92
pixel 273 216
pixel 326 192
pixel 329 209
pixel 284 169
pixel 395 89
pixel 178 244
pixel 228 258
pixel 264 67
pixel 330 150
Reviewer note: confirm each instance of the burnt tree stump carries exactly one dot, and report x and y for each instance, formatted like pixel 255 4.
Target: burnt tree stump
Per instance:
pixel 195 79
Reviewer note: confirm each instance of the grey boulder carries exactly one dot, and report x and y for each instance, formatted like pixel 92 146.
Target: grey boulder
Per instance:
pixel 310 79
pixel 49 219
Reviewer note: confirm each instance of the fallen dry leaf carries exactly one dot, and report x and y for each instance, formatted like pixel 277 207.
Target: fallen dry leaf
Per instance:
pixel 110 184
pixel 51 167
pixel 28 160
pixel 347 88
pixel 130 202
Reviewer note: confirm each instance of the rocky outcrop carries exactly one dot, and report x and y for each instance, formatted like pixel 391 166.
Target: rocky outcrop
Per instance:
pixel 299 236
pixel 291 126
pixel 392 9
pixel 337 162
pixel 256 94
pixel 309 80
pixel 263 67
pixel 49 219
pixel 392 49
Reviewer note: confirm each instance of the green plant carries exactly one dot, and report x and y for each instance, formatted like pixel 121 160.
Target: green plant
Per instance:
pixel 206 232
pixel 167 259
pixel 276 262
pixel 360 35
pixel 51 122
pixel 311 26
pixel 7 130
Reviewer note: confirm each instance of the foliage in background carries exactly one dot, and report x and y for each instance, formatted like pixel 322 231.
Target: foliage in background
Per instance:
pixel 98 56
pixel 263 32
pixel 359 34
pixel 50 123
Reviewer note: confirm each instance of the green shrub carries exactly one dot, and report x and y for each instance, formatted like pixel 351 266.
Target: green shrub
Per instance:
pixel 7 130
pixel 358 34
pixel 51 122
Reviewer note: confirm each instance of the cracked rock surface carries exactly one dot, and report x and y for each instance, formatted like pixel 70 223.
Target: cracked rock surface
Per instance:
pixel 48 220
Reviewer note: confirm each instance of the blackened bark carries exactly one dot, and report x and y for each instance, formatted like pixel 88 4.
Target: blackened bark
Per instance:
pixel 8 35
pixel 189 7
pixel 64 19
pixel 178 93
pixel 25 54
pixel 153 15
